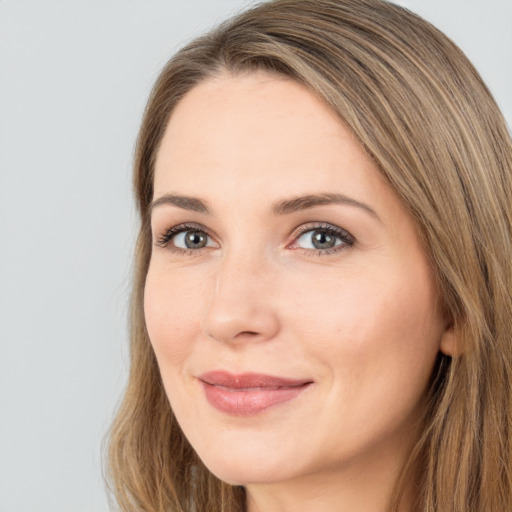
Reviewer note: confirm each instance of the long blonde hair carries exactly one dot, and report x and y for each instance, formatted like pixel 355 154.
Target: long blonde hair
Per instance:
pixel 423 114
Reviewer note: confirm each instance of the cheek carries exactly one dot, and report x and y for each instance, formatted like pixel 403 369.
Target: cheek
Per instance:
pixel 171 310
pixel 366 322
pixel 376 339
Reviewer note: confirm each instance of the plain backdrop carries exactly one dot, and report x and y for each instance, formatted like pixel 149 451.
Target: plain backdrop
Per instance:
pixel 74 78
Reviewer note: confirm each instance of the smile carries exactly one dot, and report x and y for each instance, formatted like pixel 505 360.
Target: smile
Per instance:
pixel 249 393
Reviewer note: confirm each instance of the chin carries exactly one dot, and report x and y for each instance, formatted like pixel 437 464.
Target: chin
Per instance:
pixel 246 472
pixel 242 465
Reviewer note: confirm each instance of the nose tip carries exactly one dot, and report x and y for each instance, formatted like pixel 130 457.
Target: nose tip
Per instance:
pixel 238 322
pixel 240 310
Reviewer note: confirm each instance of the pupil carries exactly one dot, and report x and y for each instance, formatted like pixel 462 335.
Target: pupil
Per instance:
pixel 195 240
pixel 322 240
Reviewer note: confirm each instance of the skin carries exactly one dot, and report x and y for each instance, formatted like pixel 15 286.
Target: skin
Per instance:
pixel 361 320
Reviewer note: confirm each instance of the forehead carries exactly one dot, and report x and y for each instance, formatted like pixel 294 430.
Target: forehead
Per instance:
pixel 256 132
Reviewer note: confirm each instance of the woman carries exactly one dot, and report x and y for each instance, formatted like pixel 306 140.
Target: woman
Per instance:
pixel 322 316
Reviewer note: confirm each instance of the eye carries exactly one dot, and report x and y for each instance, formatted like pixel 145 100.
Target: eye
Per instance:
pixel 191 240
pixel 186 238
pixel 323 239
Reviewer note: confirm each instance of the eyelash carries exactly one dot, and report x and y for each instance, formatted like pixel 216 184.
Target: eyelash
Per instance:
pixel 346 238
pixel 171 233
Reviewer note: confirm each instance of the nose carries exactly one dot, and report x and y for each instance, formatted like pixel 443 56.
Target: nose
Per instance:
pixel 242 309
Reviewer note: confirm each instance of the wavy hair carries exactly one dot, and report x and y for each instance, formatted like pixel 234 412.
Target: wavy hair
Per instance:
pixel 423 114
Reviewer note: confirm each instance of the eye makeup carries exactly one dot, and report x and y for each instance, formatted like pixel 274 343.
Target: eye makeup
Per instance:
pixel 325 239
pixel 318 238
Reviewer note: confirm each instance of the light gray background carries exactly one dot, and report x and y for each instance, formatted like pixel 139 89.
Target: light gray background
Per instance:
pixel 74 77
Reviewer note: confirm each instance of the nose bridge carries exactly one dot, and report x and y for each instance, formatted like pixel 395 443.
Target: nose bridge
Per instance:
pixel 242 265
pixel 240 308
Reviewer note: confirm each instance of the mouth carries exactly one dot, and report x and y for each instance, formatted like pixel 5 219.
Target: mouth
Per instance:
pixel 248 394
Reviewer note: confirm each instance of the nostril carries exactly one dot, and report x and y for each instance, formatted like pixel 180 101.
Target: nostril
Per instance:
pixel 230 319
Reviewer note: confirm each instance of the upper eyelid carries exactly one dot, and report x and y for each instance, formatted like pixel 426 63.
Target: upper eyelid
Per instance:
pixel 160 239
pixel 184 226
pixel 304 228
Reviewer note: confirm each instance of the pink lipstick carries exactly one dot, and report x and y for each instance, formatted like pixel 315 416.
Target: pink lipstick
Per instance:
pixel 249 393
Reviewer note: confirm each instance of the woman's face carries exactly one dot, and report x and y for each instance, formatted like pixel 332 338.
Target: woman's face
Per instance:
pixel 289 303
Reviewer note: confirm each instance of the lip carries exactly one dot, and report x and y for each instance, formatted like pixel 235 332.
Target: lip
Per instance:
pixel 247 394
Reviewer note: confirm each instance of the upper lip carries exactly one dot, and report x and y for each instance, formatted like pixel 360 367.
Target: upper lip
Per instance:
pixel 249 380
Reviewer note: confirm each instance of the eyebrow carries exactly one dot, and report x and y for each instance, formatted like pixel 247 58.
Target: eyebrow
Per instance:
pixel 293 205
pixel 284 207
pixel 187 203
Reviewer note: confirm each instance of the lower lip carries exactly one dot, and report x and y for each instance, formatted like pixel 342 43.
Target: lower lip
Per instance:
pixel 251 401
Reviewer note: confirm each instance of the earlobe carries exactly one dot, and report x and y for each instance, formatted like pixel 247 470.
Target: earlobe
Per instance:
pixel 450 345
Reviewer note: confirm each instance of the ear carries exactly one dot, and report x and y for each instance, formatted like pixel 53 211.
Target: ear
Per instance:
pixel 450 342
